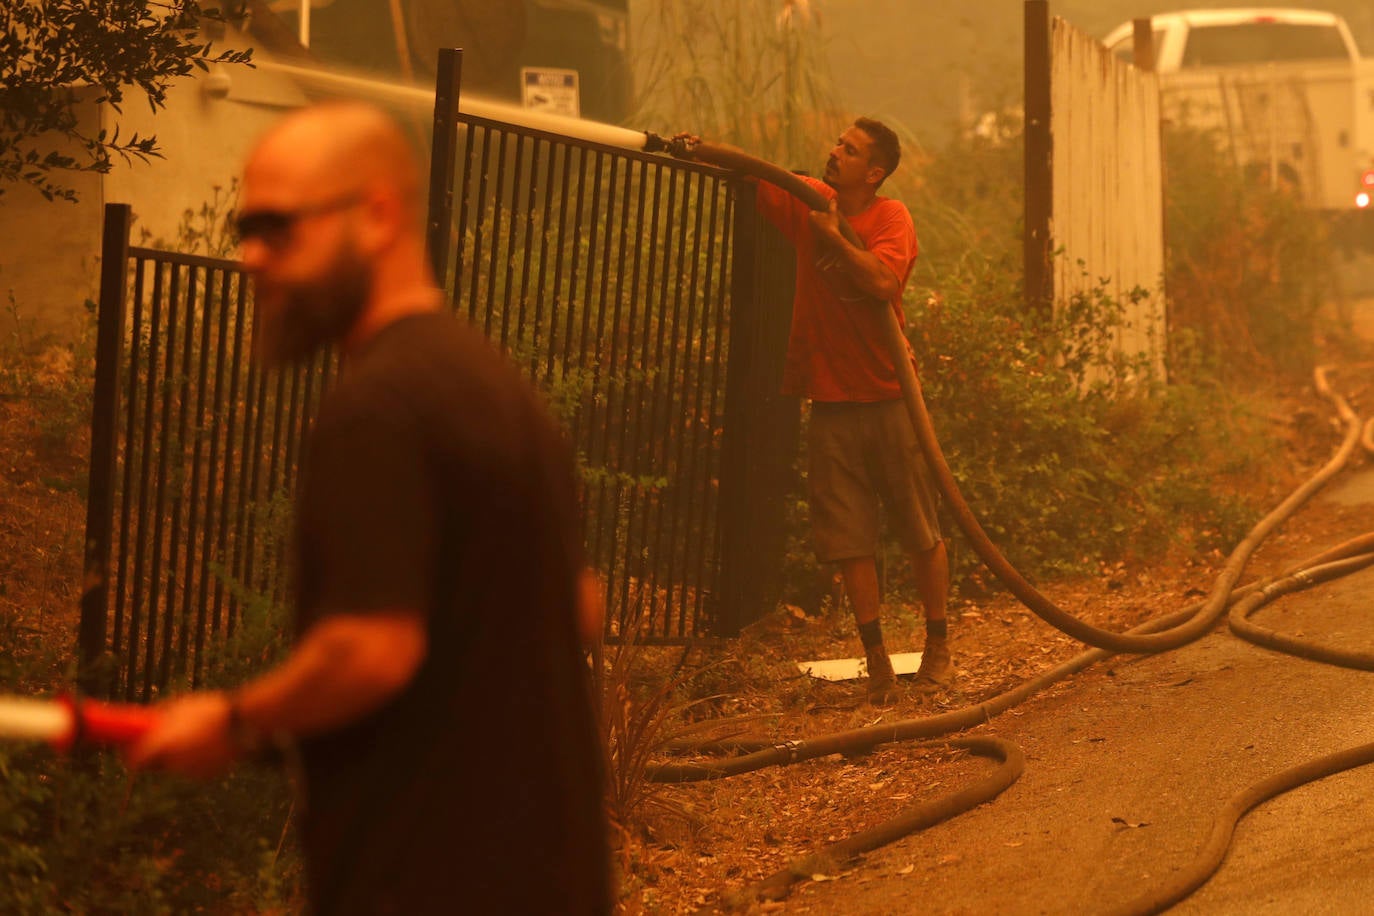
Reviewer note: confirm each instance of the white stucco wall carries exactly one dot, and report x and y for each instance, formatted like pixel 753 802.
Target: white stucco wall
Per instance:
pixel 203 139
pixel 49 250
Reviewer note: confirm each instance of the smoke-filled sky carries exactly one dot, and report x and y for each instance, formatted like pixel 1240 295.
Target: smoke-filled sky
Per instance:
pixel 924 63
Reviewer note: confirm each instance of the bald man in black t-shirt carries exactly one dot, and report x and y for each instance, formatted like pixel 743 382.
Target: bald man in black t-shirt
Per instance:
pixel 437 687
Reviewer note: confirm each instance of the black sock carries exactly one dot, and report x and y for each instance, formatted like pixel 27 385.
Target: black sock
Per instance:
pixel 937 629
pixel 871 634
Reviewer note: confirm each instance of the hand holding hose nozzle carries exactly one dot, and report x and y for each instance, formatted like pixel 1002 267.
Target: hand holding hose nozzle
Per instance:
pixel 679 146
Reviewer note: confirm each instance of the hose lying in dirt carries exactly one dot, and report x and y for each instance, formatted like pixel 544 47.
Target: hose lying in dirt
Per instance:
pixel 899 351
pixel 917 817
pixel 869 737
pixel 1328 564
pixel 1207 862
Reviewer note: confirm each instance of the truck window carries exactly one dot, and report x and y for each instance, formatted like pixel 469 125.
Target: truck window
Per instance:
pixel 1125 47
pixel 1262 42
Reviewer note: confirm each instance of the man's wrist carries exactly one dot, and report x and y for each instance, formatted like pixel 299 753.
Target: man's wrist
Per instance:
pixel 245 738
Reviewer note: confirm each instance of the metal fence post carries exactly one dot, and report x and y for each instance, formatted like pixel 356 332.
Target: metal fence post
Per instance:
pixel 1039 160
pixel 440 220
pixel 760 427
pixel 95 595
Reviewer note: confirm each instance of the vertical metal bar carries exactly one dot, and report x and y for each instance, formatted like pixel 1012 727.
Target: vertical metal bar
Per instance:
pixel 229 548
pixel 193 581
pixel 497 199
pixel 705 421
pixel 595 346
pixel 528 249
pixel 465 196
pixel 1039 161
pixel 604 262
pixel 160 500
pixel 255 490
pixel 629 378
pixel 666 330
pixel 648 394
pixel 150 400
pixel 543 265
pixel 479 220
pixel 447 82
pixel 691 408
pixel 512 233
pixel 176 585
pixel 560 306
pixel 249 459
pixel 597 230
pixel 95 595
pixel 214 522
pixel 643 400
pixel 578 357
pixel 131 456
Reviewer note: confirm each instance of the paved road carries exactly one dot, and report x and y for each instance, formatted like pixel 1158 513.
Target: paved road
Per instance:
pixel 1128 765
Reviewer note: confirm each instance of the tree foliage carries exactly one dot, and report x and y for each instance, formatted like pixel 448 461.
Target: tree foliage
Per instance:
pixel 752 73
pixel 56 53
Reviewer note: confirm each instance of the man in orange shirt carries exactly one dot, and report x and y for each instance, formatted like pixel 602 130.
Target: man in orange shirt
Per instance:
pixel 862 447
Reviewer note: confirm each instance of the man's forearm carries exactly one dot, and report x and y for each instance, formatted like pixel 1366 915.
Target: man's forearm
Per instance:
pixel 343 669
pixel 860 267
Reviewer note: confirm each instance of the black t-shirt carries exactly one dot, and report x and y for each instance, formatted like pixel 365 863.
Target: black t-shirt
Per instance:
pixel 434 480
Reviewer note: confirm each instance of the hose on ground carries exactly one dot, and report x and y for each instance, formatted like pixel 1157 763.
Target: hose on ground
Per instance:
pixel 1011 763
pixel 1292 645
pixel 863 739
pixel 1214 851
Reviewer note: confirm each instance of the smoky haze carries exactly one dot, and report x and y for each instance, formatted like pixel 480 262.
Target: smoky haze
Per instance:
pixel 931 66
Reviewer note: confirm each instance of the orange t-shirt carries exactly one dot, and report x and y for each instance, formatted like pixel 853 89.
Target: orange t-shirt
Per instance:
pixel 835 351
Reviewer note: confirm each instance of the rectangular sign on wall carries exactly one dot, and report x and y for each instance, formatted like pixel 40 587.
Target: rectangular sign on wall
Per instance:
pixel 550 90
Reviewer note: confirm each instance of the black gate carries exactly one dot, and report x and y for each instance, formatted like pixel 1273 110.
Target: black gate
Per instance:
pixel 643 296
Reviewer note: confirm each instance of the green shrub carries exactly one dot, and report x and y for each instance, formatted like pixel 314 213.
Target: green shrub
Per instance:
pixel 79 834
pixel 1248 266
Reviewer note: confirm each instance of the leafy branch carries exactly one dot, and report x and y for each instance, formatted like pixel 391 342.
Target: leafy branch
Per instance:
pixel 56 55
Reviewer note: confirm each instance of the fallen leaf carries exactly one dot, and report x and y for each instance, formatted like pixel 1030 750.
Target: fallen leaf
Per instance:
pixel 1125 823
pixel 907 870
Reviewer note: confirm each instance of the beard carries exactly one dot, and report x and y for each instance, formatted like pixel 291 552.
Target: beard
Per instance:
pixel 294 319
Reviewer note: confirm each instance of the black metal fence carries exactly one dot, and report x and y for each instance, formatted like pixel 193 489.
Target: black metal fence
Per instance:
pixel 193 450
pixel 641 294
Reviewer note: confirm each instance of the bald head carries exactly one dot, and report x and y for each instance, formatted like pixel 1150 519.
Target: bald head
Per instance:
pixel 330 228
pixel 336 149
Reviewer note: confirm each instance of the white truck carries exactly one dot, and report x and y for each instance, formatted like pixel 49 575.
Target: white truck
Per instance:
pixel 1285 90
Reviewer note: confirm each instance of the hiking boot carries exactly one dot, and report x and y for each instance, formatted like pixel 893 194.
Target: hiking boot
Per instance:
pixel 935 671
pixel 882 681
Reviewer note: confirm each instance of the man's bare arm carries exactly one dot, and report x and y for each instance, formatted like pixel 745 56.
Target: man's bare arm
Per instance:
pixel 858 266
pixel 346 666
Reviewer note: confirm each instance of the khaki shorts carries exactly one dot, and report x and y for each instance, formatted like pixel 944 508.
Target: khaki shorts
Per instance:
pixel 861 455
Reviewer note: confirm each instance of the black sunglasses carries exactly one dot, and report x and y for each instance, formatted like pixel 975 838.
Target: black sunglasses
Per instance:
pixel 273 227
